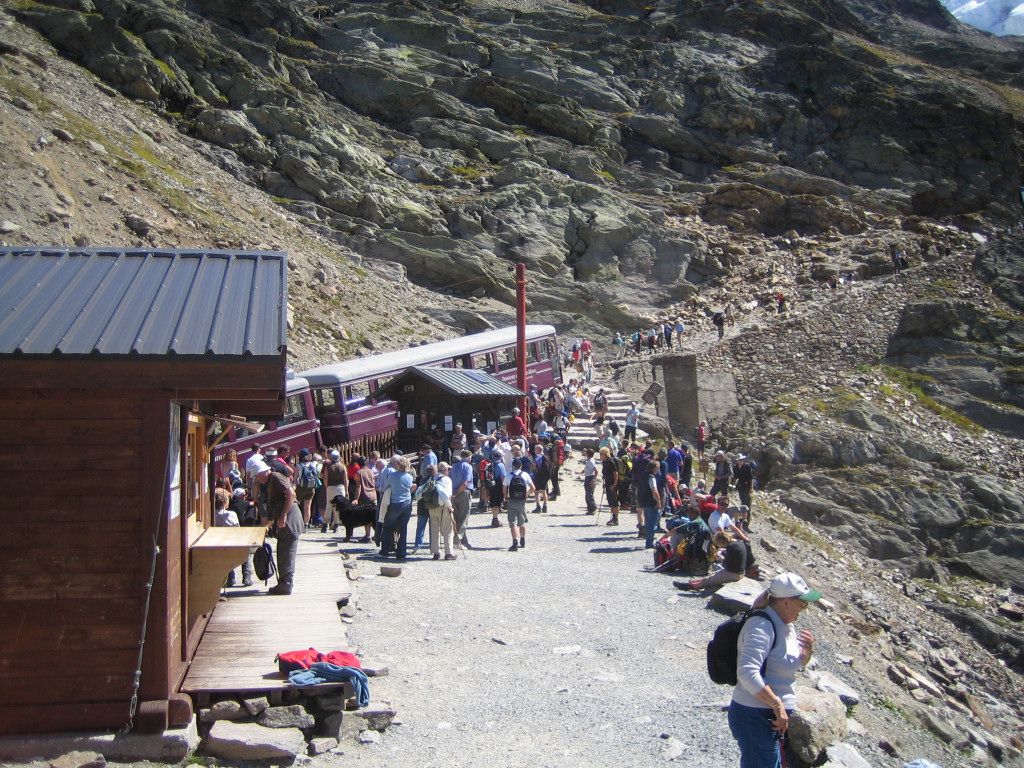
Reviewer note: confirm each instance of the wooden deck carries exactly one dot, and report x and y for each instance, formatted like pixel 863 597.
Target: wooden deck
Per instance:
pixel 236 656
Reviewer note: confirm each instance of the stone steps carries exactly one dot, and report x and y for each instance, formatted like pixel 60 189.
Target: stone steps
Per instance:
pixel 582 435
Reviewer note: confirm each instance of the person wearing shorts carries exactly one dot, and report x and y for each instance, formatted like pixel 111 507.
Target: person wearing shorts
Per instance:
pixel 517 507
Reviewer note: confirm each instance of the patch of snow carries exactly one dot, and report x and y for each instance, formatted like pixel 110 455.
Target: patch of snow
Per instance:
pixel 1000 17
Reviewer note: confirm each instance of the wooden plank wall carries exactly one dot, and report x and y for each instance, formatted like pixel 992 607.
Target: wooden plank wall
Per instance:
pixel 71 587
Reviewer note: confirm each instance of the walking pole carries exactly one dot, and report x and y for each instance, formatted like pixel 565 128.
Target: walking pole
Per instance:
pixel 597 520
pixel 451 513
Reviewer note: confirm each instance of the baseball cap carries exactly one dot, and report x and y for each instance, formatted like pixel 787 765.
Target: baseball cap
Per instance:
pixel 238 492
pixel 335 455
pixel 792 585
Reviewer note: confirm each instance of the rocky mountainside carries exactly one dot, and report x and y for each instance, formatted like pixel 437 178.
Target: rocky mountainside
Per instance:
pixel 625 151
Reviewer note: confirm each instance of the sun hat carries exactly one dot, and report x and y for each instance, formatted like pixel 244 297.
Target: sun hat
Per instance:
pixel 792 585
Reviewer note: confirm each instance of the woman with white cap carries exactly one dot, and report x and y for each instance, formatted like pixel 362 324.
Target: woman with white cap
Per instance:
pixel 770 652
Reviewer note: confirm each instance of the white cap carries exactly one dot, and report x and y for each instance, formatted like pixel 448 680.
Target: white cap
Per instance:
pixel 238 492
pixel 261 467
pixel 791 585
pixel 335 455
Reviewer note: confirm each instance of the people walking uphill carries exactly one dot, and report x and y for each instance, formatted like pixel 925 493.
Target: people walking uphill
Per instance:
pixel 770 652
pixel 632 420
pixel 619 343
pixel 307 482
pixel 461 481
pixel 703 434
pixel 667 328
pixel 718 320
pixel 518 487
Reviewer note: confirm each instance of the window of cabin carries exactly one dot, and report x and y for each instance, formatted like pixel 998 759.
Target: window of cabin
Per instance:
pixel 507 359
pixel 357 395
pixel 325 402
pixel 294 410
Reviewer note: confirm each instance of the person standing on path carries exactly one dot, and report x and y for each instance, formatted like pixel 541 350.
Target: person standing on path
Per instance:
pixel 541 474
pixel 288 527
pixel 590 481
pixel 396 522
pixel 610 476
pixel 686 466
pixel 680 329
pixel 461 480
pixel 366 484
pixel 632 420
pixel 427 459
pixel 650 501
pixel 770 652
pixel 744 479
pixel 495 478
pixel 703 433
pixel 518 485
pixel 514 425
pixel 439 509
pixel 723 474
pixel 673 461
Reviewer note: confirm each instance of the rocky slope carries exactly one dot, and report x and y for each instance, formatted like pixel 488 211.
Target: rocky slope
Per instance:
pixel 599 142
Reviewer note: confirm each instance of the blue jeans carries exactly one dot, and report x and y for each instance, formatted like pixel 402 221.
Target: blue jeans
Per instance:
pixel 759 742
pixel 421 527
pixel 651 517
pixel 396 521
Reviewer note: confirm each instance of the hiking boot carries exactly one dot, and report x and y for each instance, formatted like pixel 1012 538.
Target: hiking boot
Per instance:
pixel 536 510
pixel 686 585
pixel 613 521
pixel 247 583
pixel 495 523
pixel 522 543
pixel 514 547
pixel 437 555
pixel 451 557
pixel 334 528
pixel 323 528
pixel 280 589
pixel 545 509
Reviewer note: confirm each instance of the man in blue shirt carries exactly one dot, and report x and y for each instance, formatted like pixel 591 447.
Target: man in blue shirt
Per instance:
pixel 674 460
pixel 461 475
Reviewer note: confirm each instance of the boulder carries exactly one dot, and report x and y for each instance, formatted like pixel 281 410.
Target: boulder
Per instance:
pixel 256 706
pixel 292 716
pixel 819 721
pixel 829 683
pixel 844 756
pixel 322 744
pixel 250 741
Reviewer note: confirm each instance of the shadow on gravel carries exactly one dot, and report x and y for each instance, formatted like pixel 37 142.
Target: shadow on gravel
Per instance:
pixel 608 537
pixel 612 550
pixel 571 525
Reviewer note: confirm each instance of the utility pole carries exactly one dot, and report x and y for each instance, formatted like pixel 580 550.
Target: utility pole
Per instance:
pixel 521 337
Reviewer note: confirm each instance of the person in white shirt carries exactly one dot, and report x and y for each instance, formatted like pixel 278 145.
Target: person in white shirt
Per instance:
pixel 721 520
pixel 632 419
pixel 590 481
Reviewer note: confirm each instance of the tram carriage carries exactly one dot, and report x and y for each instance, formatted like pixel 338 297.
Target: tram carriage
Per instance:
pixel 333 405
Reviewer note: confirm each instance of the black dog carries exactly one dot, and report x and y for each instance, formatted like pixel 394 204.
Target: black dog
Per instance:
pixel 354 515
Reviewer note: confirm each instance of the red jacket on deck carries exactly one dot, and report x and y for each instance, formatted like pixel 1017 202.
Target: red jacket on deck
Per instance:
pixel 292 660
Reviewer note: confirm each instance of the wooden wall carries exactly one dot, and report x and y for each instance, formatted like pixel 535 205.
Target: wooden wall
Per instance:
pixel 73 558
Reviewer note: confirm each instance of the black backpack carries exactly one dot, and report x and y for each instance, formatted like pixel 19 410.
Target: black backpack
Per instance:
pixel 517 487
pixel 263 563
pixel 723 652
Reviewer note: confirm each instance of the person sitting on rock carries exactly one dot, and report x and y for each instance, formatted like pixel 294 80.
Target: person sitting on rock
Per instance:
pixel 736 557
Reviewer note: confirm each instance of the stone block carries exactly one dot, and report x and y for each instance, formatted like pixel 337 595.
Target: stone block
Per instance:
pixel 257 706
pixel 250 741
pixel 79 760
pixel 291 716
pixel 819 721
pixel 391 570
pixel 829 683
pixel 845 756
pixel 322 744
pixel 171 746
pixel 223 710
pixel 376 670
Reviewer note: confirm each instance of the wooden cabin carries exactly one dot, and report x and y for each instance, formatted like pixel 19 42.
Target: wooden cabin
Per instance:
pixel 429 397
pixel 114 363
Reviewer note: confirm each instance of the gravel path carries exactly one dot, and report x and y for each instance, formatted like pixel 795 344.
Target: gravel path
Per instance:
pixel 567 652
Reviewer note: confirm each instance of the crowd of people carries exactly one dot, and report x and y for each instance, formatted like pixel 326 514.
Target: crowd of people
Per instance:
pixel 519 464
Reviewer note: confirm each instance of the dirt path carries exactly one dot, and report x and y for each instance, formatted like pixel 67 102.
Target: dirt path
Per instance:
pixel 565 653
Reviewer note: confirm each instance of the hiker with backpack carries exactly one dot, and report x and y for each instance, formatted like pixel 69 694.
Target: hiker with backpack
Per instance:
pixel 494 479
pixel 460 476
pixel 541 474
pixel 718 320
pixel 307 482
pixel 286 524
pixel 435 493
pixel 736 559
pixel 764 651
pixel 518 486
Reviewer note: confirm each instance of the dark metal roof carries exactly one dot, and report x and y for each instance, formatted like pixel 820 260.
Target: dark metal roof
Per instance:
pixel 115 301
pixel 457 381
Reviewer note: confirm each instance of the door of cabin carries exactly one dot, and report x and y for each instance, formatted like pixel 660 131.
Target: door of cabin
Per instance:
pixel 196 513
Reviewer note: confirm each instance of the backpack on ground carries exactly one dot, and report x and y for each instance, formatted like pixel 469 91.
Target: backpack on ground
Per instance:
pixel 723 651
pixel 429 494
pixel 308 476
pixel 662 552
pixel 263 562
pixel 517 487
